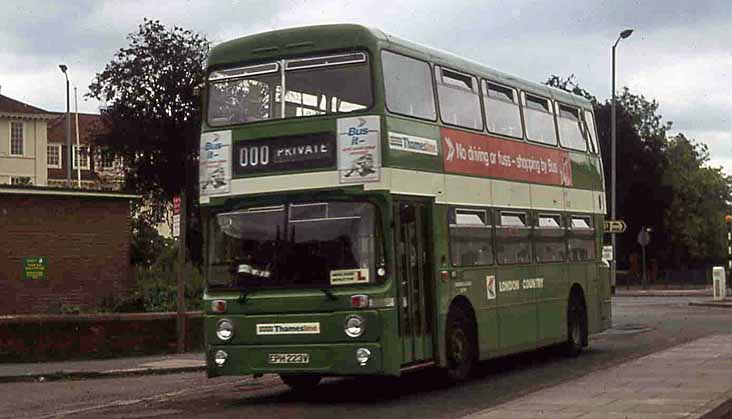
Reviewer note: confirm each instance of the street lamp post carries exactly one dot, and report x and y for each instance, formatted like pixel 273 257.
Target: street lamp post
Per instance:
pixel 613 266
pixel 69 159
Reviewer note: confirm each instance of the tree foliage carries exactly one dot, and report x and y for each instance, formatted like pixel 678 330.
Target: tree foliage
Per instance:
pixel 699 201
pixel 662 182
pixel 152 117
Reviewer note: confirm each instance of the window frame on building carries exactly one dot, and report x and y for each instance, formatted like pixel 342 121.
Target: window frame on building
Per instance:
pixel 13 139
pixel 75 164
pixel 58 147
pixel 16 180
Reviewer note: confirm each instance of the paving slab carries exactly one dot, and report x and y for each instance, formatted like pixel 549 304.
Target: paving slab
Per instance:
pixel 693 380
pixel 661 292
pixel 725 303
pixel 102 368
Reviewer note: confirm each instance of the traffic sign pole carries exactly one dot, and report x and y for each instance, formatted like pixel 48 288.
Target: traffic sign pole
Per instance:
pixel 728 221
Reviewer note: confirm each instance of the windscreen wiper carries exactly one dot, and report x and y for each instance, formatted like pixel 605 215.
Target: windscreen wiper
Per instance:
pixel 328 293
pixel 243 293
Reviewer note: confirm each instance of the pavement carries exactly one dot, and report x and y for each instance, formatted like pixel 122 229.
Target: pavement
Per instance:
pixel 725 303
pixel 102 368
pixel 692 380
pixel 657 291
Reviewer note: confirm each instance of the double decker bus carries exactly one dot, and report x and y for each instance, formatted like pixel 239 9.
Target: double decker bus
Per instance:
pixel 372 206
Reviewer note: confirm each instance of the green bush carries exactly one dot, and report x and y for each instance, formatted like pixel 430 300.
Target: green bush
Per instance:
pixel 156 286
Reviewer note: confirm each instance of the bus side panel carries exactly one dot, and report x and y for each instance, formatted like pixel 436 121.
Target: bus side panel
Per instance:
pixel 592 297
pixel 551 300
pixel 484 304
pixel 391 342
pixel 606 318
pixel 516 308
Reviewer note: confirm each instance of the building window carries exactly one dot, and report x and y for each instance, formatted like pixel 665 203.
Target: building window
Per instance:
pixel 20 180
pixel 16 139
pixel 81 157
pixel 107 159
pixel 53 156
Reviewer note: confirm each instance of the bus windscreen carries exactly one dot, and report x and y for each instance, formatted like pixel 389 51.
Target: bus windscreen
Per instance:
pixel 312 86
pixel 293 245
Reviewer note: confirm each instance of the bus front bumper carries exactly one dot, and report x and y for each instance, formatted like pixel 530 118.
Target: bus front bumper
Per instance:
pixel 330 359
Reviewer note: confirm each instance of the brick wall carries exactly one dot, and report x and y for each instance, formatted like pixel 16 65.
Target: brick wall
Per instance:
pixel 86 241
pixel 57 338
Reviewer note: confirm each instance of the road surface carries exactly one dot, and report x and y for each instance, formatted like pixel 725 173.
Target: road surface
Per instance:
pixel 641 326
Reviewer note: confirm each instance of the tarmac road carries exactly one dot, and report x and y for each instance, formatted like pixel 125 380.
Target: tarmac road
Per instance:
pixel 641 326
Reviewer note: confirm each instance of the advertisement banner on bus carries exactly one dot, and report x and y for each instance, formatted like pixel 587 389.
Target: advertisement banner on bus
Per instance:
pixel 214 162
pixel 359 154
pixel 476 154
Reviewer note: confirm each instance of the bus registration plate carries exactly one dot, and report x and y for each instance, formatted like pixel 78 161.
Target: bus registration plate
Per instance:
pixel 289 358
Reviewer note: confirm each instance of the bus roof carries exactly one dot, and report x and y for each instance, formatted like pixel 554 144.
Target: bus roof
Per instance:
pixel 309 39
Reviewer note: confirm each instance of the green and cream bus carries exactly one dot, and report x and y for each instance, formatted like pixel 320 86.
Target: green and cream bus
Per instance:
pixel 373 206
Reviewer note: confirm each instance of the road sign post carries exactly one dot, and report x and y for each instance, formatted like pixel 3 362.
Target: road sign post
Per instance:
pixel 728 221
pixel 643 239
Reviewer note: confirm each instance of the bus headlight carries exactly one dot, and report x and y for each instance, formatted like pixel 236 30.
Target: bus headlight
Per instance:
pixel 354 326
pixel 220 358
pixel 362 356
pixel 225 329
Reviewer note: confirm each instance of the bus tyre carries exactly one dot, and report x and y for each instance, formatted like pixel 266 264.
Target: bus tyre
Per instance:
pixel 576 320
pixel 301 382
pixel 460 345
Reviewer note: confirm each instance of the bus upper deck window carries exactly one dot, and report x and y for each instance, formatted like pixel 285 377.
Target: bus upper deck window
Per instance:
pixel 539 118
pixel 570 129
pixel 502 112
pixel 457 94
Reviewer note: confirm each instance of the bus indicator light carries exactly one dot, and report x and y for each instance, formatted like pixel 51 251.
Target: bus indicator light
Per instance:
pixel 359 301
pixel 218 306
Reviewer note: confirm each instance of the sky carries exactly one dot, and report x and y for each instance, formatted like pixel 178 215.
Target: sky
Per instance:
pixel 680 53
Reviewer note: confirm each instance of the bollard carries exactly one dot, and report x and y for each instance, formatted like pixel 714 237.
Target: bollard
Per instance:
pixel 719 283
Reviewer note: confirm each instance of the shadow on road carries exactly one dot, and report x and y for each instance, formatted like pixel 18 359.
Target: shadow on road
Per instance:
pixel 421 383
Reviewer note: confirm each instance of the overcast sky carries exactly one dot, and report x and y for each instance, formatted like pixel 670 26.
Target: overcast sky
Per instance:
pixel 680 53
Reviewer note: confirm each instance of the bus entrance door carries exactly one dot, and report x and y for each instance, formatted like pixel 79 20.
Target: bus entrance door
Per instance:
pixel 415 280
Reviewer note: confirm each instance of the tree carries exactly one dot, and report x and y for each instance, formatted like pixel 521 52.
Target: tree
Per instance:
pixel 700 194
pixel 570 85
pixel 641 142
pixel 152 119
pixel 664 183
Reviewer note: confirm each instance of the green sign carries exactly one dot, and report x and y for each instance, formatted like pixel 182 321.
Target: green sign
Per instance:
pixel 35 268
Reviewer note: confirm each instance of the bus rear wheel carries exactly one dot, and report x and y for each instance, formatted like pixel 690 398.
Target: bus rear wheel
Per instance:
pixel 576 331
pixel 301 382
pixel 460 345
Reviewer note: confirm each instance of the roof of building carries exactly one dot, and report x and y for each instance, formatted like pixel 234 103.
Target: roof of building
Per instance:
pixel 89 126
pixel 17 108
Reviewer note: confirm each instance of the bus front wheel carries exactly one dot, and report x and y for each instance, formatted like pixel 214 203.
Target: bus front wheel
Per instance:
pixel 301 382
pixel 460 345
